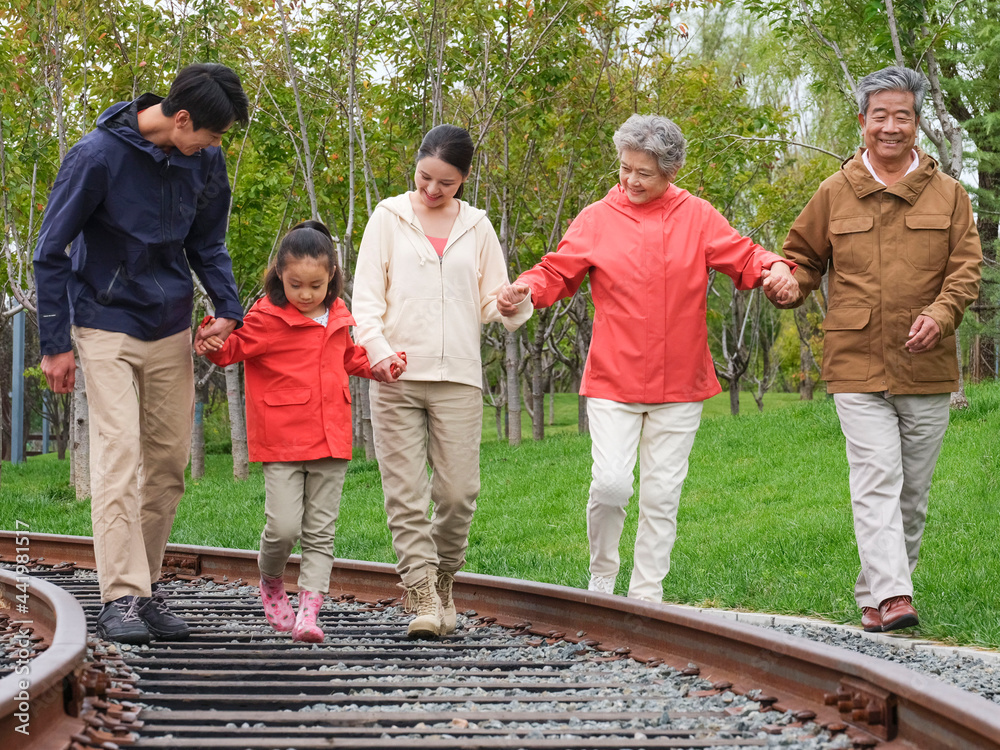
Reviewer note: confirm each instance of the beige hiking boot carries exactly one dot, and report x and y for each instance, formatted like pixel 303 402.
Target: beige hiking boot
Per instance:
pixel 423 600
pixel 445 581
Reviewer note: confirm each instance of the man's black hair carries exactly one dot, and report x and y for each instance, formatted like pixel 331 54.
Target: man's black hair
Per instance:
pixel 211 93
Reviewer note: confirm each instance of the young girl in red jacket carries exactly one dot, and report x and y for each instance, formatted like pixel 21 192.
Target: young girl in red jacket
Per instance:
pixel 298 353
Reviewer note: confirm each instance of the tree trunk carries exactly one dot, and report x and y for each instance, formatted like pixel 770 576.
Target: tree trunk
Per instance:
pixel 501 410
pixel 807 362
pixel 538 385
pixel 81 437
pixel 198 433
pixel 734 396
pixel 552 398
pixel 512 362
pixel 806 384
pixel 367 433
pixel 357 430
pixel 237 423
pixel 983 352
pixel 958 398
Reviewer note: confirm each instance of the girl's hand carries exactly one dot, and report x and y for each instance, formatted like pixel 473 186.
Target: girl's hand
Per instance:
pixel 211 334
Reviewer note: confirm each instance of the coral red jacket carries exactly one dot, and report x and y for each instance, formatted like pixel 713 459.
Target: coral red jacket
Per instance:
pixel 298 400
pixel 648 267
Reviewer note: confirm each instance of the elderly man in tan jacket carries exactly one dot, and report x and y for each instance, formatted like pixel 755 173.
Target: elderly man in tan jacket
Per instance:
pixel 899 242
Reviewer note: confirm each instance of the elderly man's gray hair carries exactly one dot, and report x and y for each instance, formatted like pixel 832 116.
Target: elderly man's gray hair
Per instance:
pixel 892 78
pixel 655 135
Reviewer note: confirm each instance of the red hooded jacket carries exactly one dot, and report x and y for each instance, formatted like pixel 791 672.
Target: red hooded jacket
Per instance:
pixel 298 399
pixel 648 267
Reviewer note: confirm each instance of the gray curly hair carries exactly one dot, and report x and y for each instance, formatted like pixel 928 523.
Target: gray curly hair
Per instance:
pixel 658 137
pixel 893 78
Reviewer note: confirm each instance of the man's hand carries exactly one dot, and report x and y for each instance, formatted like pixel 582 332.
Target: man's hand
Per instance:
pixel 510 297
pixel 924 335
pixel 60 371
pixel 389 369
pixel 212 333
pixel 780 286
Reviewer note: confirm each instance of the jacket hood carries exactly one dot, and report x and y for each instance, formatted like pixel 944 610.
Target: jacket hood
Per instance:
pixel 122 121
pixel 340 316
pixel 468 216
pixel 617 199
pixel 908 188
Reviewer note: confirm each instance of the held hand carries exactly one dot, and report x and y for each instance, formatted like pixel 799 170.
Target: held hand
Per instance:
pixel 780 286
pixel 212 333
pixel 60 371
pixel 510 297
pixel 924 335
pixel 389 369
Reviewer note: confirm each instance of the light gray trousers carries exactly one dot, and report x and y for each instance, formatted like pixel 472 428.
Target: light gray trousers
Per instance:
pixel 893 444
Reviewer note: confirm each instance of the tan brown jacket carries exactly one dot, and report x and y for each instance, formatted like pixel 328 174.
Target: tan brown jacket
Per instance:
pixel 892 253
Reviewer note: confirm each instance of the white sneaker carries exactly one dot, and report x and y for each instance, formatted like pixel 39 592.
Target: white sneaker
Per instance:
pixel 603 584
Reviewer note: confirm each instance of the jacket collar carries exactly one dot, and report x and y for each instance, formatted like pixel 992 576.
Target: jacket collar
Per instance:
pixel 340 316
pixel 122 121
pixel 617 199
pixel 908 188
pixel 468 217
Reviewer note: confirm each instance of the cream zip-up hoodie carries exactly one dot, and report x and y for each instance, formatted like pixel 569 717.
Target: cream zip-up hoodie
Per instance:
pixel 407 299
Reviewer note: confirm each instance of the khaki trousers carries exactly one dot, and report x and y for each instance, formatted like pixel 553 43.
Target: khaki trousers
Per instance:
pixel 302 502
pixel 141 401
pixel 421 423
pixel 893 444
pixel 664 435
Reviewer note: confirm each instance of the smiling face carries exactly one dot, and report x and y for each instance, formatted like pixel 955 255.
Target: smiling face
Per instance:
pixel 640 177
pixel 437 181
pixel 890 129
pixel 306 281
pixel 189 141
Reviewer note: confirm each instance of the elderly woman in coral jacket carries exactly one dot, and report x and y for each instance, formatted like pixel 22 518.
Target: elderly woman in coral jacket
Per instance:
pixel 648 247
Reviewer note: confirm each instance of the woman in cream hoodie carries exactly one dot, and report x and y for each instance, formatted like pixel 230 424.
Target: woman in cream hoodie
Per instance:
pixel 429 269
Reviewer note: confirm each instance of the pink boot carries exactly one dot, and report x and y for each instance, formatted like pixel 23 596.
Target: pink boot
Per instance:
pixel 306 628
pixel 277 608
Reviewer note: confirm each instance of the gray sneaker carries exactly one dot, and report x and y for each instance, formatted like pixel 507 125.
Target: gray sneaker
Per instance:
pixel 163 624
pixel 119 621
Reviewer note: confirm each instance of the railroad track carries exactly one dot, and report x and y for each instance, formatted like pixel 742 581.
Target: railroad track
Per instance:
pixel 531 666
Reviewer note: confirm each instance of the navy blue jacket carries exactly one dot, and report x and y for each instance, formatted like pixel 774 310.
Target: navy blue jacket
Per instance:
pixel 138 221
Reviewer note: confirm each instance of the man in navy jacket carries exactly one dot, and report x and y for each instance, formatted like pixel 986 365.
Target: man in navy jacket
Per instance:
pixel 140 201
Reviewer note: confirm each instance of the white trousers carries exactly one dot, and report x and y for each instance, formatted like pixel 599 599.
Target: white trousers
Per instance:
pixel 664 435
pixel 893 444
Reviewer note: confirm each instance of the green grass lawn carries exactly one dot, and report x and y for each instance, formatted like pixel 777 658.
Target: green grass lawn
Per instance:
pixel 764 523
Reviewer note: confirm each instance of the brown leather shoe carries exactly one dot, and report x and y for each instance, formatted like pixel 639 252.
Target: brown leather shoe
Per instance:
pixel 897 612
pixel 870 620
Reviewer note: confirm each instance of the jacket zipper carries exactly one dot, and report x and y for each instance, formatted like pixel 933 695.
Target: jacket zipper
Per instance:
pixel 443 316
pixel 441 276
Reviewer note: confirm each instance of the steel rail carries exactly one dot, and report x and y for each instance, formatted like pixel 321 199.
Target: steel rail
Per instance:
pixel 39 700
pixel 883 700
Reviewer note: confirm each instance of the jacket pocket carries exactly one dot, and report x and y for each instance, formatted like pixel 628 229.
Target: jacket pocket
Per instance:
pixel 940 363
pixel 416 326
pixel 847 343
pixel 926 241
pixel 853 243
pixel 283 415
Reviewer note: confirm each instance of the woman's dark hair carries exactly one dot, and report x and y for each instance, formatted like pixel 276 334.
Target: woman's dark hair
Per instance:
pixel 307 239
pixel 452 145
pixel 211 93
